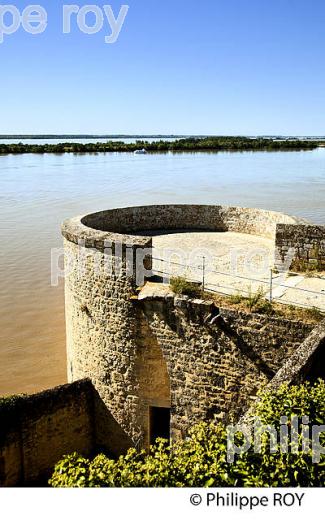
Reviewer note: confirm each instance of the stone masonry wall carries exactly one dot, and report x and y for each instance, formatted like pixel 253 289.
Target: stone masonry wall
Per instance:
pixel 217 359
pixel 36 431
pixel 171 352
pixel 126 224
pixel 307 362
pixel 197 359
pixel 101 330
pixel 171 217
pixel 306 241
pixel 153 382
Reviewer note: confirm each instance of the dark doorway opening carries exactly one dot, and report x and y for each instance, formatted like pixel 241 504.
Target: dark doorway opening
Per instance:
pixel 159 423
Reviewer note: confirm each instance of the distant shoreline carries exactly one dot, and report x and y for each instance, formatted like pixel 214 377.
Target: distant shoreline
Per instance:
pixel 189 144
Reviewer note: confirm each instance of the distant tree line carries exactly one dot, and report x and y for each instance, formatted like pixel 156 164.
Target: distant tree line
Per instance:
pixel 192 144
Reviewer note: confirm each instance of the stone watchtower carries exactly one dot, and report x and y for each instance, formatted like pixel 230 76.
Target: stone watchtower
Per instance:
pixel 101 321
pixel 159 365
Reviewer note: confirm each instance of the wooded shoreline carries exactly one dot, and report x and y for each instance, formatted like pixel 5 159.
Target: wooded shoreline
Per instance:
pixel 208 144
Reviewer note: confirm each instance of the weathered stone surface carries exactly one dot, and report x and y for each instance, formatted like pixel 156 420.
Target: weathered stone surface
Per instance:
pixel 125 223
pixel 162 351
pixel 157 351
pixel 38 430
pixel 307 242
pixel 165 351
pixel 217 359
pixel 307 362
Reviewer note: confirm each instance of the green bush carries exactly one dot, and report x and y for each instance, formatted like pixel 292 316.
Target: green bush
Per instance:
pixel 304 266
pixel 201 459
pixel 179 285
pixel 255 301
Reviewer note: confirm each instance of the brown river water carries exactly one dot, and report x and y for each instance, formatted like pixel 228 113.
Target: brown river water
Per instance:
pixel 39 192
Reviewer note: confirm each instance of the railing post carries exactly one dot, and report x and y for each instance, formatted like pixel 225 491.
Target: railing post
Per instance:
pixel 271 285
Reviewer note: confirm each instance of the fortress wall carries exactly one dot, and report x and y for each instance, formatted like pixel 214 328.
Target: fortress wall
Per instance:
pixel 37 430
pixel 101 331
pixel 107 342
pixel 151 218
pixel 306 241
pixel 305 363
pixel 164 352
pixel 125 225
pixel 173 217
pixel 153 382
pixel 255 221
pixel 188 355
pixel 216 369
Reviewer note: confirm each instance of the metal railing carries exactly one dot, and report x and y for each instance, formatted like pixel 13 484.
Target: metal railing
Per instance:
pixel 270 286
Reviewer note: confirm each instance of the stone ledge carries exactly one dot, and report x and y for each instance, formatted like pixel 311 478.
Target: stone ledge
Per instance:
pixel 122 224
pixel 75 231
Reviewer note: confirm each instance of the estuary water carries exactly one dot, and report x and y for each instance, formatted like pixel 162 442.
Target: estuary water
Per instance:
pixel 39 191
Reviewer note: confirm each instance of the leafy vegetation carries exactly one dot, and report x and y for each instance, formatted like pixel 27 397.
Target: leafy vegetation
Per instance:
pixel 191 144
pixel 256 303
pixel 179 285
pixel 303 266
pixel 201 459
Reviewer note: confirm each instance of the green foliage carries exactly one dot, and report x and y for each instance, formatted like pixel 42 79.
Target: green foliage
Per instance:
pixel 207 144
pixel 179 285
pixel 301 265
pixel 236 298
pixel 300 400
pixel 303 313
pixel 264 307
pixel 201 459
pixel 292 469
pixel 255 299
pixel 254 302
pixel 72 471
pixel 276 308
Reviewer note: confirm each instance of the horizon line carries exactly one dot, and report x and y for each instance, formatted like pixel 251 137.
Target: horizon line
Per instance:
pixel 104 136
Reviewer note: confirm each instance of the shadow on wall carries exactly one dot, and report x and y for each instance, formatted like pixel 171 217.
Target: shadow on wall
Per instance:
pixel 316 368
pixel 38 430
pixel 109 437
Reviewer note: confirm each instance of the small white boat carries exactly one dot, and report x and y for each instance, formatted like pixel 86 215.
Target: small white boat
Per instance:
pixel 141 152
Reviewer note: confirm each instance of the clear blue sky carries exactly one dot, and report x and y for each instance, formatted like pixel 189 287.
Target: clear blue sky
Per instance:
pixel 178 67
